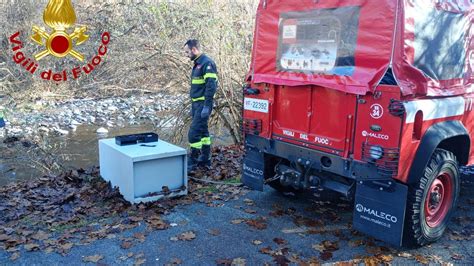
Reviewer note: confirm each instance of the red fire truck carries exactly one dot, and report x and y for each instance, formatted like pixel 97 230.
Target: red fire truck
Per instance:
pixel 370 99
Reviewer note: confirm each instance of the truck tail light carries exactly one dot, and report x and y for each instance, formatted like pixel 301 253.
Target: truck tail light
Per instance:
pixel 252 126
pixel 396 108
pixel 386 159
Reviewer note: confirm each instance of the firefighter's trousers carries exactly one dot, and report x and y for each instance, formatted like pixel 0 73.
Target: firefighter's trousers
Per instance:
pixel 198 132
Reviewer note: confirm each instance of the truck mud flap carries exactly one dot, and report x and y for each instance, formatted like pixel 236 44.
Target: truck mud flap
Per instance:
pixel 379 210
pixel 253 169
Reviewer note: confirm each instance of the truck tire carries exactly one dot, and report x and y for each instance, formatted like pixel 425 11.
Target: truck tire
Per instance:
pixel 432 200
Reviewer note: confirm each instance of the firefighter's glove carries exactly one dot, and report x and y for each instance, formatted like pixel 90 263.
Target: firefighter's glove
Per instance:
pixel 206 111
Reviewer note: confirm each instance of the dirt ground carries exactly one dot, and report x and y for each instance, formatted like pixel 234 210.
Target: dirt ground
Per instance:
pixel 216 224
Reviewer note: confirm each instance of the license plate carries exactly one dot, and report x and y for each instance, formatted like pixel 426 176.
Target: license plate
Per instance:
pixel 256 105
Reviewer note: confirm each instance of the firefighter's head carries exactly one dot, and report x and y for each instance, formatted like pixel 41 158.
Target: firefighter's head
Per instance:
pixel 192 49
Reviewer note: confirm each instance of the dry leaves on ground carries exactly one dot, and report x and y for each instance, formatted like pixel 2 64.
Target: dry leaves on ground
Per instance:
pixel 52 213
pixel 214 232
pixel 280 241
pixel 259 223
pixel 187 236
pixel 126 244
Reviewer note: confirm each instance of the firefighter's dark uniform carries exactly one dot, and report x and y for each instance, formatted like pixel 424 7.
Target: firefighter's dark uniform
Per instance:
pixel 203 88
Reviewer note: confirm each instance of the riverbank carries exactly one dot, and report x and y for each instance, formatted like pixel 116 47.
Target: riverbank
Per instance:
pixel 63 117
pixel 51 136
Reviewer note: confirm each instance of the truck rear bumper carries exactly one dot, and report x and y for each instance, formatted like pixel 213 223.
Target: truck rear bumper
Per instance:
pixel 379 201
pixel 257 148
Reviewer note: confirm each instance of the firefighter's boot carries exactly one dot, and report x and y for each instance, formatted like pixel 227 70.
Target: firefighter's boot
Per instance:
pixel 205 157
pixel 193 157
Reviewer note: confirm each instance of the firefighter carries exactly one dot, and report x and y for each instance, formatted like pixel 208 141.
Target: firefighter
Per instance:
pixel 203 88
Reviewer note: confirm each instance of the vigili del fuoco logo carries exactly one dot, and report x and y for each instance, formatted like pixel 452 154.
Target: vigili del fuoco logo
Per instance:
pixel 59 15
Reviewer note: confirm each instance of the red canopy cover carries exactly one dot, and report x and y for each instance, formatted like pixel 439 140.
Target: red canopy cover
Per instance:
pixel 424 46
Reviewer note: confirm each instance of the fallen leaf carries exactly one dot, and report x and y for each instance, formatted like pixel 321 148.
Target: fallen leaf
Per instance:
pixel 214 232
pixel 139 236
pixel 14 256
pixel 282 251
pixel 257 223
pixel 295 259
pixel 277 213
pixel 139 261
pixel 238 262
pixel 267 250
pixel 313 261
pixel 326 255
pixel 40 235
pixel 356 242
pixel 126 244
pixel 257 242
pixel 237 221
pixel 250 211
pixel 49 250
pixel 345 263
pixel 371 261
pixel 330 246
pixel 281 260
pixel 93 259
pixel 66 247
pixel 249 202
pixel 225 262
pixel 32 247
pixel 373 250
pixel 25 232
pixel 158 224
pixel 279 241
pixel 318 247
pixel 404 255
pixel 136 219
pixel 421 259
pixel 456 256
pixel 187 236
pixel 175 261
pixel 385 258
pixel 297 230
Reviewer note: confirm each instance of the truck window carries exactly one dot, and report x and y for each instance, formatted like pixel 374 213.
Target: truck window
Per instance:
pixel 318 41
pixel 440 43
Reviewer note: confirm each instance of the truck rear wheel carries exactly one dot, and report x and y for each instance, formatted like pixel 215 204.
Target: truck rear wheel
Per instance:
pixel 432 200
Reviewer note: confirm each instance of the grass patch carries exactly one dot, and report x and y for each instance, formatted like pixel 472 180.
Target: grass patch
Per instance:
pixel 64 227
pixel 235 180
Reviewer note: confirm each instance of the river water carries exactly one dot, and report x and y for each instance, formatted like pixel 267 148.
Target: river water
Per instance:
pixel 79 149
pixel 66 131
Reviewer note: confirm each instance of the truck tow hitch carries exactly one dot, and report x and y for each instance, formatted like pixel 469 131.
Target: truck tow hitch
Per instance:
pixel 302 176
